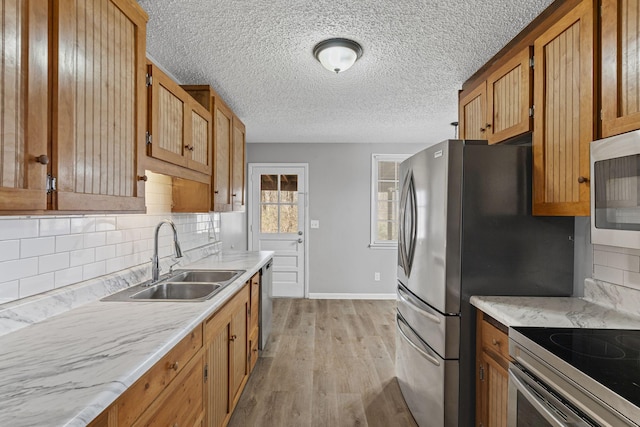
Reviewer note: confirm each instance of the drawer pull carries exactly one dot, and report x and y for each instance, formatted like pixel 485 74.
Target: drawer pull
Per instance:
pixel 173 366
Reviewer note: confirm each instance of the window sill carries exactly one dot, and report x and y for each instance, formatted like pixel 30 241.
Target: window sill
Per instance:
pixel 384 246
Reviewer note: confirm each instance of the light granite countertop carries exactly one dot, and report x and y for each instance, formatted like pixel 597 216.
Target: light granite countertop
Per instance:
pixel 66 369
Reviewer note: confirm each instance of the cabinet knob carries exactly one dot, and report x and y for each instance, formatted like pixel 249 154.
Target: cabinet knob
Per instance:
pixel 143 178
pixel 173 366
pixel 233 337
pixel 582 179
pixel 495 342
pixel 233 195
pixel 216 192
pixel 482 129
pixel 43 159
pixel 488 125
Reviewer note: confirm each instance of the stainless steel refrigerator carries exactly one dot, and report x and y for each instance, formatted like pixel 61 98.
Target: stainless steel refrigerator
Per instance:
pixel 466 228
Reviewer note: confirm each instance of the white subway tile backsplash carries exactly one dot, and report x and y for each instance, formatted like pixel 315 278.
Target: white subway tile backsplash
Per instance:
pixel 18 228
pixel 9 291
pixel 9 249
pixel 620 261
pixel 91 240
pixel 81 257
pixel 53 262
pixel 36 247
pixel 55 226
pixel 41 253
pixel 89 271
pixel 105 252
pixel 19 268
pixel 608 274
pixel 83 225
pixel 69 242
pixel 67 276
pixel 36 284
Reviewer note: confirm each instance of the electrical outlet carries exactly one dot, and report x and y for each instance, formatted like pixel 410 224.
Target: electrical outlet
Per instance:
pixel 376 276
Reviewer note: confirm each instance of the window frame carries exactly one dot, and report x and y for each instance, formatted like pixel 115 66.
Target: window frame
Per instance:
pixel 373 208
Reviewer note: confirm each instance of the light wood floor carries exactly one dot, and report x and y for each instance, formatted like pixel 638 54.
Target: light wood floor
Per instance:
pixel 327 363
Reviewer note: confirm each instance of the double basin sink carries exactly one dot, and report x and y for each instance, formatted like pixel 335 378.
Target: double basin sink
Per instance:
pixel 187 285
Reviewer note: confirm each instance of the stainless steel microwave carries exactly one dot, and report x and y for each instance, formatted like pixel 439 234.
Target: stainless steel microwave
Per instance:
pixel 615 191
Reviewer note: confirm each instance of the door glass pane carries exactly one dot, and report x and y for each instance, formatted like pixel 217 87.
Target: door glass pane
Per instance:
pixel 269 188
pixel 288 188
pixel 269 219
pixel 289 218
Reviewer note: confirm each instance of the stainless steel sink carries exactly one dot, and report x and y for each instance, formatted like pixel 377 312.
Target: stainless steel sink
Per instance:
pixel 205 276
pixel 177 291
pixel 184 285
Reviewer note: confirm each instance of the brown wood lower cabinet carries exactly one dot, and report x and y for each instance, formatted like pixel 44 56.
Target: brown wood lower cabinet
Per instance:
pixel 492 362
pixel 199 381
pixel 226 343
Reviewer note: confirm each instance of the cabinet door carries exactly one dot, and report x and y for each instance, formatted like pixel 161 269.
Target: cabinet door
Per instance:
pixel 166 119
pixel 218 404
pixel 24 113
pixel 239 350
pixel 98 105
pixel 494 383
pixel 472 110
pixel 199 127
pixel 238 168
pixel 564 114
pixel 223 129
pixel 509 98
pixel 620 66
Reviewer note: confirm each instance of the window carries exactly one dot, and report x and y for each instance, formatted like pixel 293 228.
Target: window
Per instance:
pixel 385 199
pixel 278 203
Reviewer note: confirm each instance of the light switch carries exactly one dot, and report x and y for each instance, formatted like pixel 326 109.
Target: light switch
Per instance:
pixel 315 223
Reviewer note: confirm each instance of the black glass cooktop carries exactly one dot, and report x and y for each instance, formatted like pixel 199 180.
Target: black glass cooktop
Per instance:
pixel 609 356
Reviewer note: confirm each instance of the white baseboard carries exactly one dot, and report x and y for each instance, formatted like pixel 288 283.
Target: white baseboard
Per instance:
pixel 352 296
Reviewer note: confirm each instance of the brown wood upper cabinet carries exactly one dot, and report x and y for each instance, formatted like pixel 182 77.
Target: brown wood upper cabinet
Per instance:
pixel 620 32
pixel 228 184
pixel 179 127
pixel 24 114
pixel 91 70
pixel 473 112
pixel 564 113
pixel 499 108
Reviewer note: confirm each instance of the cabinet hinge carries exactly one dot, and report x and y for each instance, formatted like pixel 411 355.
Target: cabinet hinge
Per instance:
pixel 600 115
pixel 149 80
pixel 531 110
pixel 51 183
pixel 148 138
pixel 206 373
pixel 532 62
pixel 481 373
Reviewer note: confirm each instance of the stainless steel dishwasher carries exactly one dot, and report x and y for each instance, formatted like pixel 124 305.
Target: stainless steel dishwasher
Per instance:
pixel 266 304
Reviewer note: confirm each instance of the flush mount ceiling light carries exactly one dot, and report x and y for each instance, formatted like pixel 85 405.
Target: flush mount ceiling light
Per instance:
pixel 337 55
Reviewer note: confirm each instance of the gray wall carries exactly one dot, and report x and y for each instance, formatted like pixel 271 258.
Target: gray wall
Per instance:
pixel 340 260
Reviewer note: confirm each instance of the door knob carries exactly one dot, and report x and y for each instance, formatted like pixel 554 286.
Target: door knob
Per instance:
pixel 299 240
pixel 299 233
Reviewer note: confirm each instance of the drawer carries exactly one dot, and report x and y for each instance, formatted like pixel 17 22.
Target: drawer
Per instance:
pixel 182 403
pixel 253 349
pixel 493 340
pixel 139 396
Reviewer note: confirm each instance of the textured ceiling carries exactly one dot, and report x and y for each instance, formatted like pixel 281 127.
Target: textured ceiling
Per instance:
pixel 257 54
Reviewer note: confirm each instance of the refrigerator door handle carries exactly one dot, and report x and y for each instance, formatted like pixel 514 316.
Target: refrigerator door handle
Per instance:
pixel 408 214
pixel 404 296
pixel 434 360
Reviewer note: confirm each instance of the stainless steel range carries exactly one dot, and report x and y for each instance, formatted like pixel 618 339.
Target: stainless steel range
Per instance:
pixel 574 377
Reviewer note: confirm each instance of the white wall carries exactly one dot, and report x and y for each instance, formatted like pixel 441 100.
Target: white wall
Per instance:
pixel 340 260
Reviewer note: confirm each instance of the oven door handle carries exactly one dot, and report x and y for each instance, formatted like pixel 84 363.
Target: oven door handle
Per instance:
pixel 423 353
pixel 544 407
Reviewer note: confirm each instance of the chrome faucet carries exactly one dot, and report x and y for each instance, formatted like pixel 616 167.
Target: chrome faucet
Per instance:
pixel 155 262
